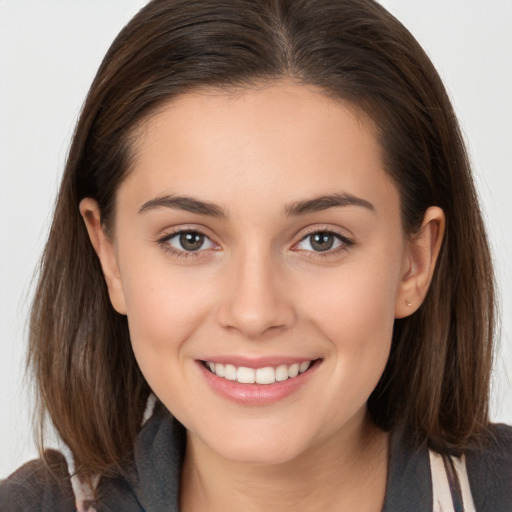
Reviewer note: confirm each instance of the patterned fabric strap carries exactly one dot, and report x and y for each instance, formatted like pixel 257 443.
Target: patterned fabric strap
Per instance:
pixel 450 484
pixel 84 492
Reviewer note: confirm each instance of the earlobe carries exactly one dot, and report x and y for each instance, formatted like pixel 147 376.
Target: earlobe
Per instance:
pixel 105 250
pixel 420 259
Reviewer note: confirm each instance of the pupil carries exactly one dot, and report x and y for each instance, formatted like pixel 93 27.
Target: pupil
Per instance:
pixel 191 241
pixel 322 241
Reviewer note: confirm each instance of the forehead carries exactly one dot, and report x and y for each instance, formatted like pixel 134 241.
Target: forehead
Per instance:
pixel 276 142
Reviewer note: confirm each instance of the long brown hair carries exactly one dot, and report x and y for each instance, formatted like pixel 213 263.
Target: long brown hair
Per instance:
pixel 437 378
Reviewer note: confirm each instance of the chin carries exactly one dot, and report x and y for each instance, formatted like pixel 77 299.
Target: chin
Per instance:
pixel 268 448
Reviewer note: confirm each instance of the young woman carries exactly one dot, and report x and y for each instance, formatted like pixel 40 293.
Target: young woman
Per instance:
pixel 267 285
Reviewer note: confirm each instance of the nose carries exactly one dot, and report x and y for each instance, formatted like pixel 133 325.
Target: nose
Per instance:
pixel 255 301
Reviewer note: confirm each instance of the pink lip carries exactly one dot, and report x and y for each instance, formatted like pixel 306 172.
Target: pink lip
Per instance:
pixel 256 394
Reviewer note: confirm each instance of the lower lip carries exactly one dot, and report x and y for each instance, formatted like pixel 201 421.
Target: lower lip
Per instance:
pixel 256 394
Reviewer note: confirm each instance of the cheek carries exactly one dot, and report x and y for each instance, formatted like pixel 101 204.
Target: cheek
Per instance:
pixel 164 310
pixel 356 304
pixel 355 312
pixel 359 325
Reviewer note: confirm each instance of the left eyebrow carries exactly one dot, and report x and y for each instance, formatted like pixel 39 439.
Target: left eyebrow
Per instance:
pixel 321 203
pixel 185 203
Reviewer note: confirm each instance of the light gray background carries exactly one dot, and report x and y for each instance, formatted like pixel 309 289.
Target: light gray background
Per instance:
pixel 49 53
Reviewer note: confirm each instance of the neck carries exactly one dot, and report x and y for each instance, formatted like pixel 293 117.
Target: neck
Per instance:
pixel 345 472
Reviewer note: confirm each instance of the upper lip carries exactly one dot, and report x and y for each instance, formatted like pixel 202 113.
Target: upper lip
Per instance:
pixel 257 362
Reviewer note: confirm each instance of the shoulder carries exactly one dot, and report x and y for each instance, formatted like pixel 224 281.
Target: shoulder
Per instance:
pixel 38 486
pixel 151 483
pixel 490 470
pixel 409 485
pixel 45 486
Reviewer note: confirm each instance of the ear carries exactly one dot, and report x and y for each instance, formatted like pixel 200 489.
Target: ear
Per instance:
pixel 420 257
pixel 104 247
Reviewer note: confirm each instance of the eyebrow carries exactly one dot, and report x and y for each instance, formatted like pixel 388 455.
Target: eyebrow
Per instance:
pixel 321 203
pixel 186 203
pixel 296 208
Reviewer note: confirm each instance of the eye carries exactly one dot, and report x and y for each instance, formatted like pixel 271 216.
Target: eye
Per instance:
pixel 323 241
pixel 187 241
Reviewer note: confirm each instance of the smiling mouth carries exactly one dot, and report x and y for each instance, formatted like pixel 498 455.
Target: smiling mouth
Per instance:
pixel 266 375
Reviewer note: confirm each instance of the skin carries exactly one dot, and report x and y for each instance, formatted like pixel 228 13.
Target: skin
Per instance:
pixel 257 287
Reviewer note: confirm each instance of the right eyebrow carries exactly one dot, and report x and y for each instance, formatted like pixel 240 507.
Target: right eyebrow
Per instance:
pixel 186 203
pixel 321 203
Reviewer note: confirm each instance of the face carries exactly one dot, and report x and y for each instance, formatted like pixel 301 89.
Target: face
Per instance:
pixel 258 238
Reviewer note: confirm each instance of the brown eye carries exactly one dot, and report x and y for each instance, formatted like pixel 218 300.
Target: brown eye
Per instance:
pixel 322 241
pixel 191 241
pixel 187 242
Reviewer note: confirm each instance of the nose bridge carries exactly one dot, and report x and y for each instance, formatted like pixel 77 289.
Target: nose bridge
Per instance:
pixel 256 301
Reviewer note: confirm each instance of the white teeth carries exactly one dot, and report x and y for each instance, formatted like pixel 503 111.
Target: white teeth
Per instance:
pixel 230 372
pixel 219 370
pixel 266 375
pixel 293 371
pixel 281 372
pixel 304 366
pixel 245 375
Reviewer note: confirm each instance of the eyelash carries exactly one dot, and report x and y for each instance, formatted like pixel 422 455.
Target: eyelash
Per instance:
pixel 345 243
pixel 163 242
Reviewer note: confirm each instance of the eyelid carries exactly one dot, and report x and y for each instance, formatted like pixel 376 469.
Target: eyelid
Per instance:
pixel 346 242
pixel 163 240
pixel 342 233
